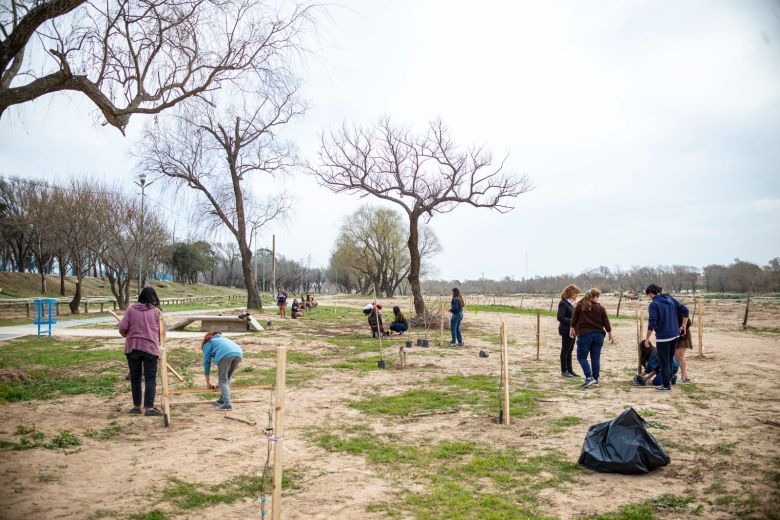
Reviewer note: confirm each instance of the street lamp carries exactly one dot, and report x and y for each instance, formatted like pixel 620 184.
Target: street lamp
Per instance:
pixel 142 183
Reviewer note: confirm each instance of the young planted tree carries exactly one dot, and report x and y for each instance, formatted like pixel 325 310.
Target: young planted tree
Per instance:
pixel 135 56
pixel 425 175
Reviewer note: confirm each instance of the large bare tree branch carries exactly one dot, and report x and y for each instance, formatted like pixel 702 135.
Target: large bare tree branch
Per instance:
pixel 143 56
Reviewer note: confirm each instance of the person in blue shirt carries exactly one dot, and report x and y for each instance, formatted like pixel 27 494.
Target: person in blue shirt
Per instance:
pixel 456 308
pixel 295 310
pixel 651 367
pixel 227 355
pixel 662 319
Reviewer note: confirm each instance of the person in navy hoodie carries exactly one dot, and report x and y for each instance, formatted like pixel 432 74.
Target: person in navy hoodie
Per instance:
pixel 565 313
pixel 662 319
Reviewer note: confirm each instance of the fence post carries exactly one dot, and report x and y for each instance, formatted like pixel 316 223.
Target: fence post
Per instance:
pixel 538 332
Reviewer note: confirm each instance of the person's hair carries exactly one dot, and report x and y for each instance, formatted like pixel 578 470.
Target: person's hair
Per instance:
pixel 456 294
pixel 588 297
pixel 644 353
pixel 570 291
pixel 208 337
pixel 653 289
pixel 149 297
pixel 396 310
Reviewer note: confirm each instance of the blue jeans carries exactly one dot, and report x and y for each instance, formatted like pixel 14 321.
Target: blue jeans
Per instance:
pixel 665 355
pixel 455 327
pixel 590 344
pixel 397 326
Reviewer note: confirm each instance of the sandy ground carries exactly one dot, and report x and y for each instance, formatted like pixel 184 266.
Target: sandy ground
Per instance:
pixel 723 439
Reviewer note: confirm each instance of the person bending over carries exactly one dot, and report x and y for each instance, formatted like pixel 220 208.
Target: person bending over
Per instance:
pixel 375 321
pixel 227 355
pixel 662 319
pixel 651 367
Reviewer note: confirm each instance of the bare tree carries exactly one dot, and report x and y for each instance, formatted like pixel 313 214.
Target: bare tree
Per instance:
pixel 138 56
pixel 125 245
pixel 81 210
pixel 43 223
pixel 424 175
pixel 216 151
pixel 15 226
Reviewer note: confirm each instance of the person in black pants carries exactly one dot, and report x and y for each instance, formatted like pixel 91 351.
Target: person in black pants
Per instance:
pixel 565 312
pixel 662 318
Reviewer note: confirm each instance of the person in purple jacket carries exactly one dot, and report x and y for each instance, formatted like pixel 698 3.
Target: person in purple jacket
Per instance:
pixel 140 326
pixel 662 319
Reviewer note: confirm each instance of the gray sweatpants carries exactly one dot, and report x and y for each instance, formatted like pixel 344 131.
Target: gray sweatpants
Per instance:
pixel 225 369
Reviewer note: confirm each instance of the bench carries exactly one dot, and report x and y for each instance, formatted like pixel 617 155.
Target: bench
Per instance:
pixel 221 323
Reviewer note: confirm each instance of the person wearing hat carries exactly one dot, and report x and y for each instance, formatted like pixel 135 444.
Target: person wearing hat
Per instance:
pixel 375 320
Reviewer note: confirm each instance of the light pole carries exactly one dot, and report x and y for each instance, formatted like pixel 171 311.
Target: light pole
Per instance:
pixel 142 183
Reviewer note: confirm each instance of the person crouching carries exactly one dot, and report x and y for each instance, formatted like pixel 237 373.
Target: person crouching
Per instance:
pixel 227 355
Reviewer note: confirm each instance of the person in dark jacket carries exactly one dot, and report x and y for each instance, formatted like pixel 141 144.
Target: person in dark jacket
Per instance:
pixel 375 321
pixel 589 324
pixel 565 313
pixel 662 319
pixel 400 323
pixel 140 326
pixel 456 309
pixel 281 302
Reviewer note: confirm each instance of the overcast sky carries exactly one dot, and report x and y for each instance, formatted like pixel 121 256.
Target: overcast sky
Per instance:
pixel 650 130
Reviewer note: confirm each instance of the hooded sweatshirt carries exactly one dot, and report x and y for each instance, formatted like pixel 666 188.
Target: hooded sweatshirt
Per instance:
pixel 141 327
pixel 219 348
pixel 662 317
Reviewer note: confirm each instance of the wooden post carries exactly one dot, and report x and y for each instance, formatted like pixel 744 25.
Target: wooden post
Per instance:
pixel 402 355
pixel 747 307
pixel 28 309
pixel 641 323
pixel 278 435
pixel 86 308
pixel 441 323
pixel 164 361
pixel 551 302
pixel 101 307
pixel 617 314
pixel 700 331
pixel 505 372
pixel 538 332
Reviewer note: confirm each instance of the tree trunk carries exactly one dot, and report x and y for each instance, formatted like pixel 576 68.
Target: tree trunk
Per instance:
pixel 76 301
pixel 414 264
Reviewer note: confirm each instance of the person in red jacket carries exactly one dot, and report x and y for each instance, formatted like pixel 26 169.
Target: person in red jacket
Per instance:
pixel 140 326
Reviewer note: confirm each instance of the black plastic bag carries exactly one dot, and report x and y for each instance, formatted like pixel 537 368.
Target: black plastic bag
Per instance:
pixel 622 445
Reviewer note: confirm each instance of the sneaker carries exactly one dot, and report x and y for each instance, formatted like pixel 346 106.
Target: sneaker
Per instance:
pixel 152 412
pixel 224 407
pixel 460 344
pixel 674 380
pixel 588 382
pixel 597 382
pixel 573 373
pixel 135 410
pixel 219 401
pixel 566 374
pixel 663 388
pixel 453 344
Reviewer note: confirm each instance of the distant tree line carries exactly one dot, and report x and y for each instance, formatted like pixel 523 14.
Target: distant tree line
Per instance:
pixel 739 276
pixel 85 228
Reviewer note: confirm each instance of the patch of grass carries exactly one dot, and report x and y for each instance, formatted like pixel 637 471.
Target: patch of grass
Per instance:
pixel 30 438
pixel 267 376
pixel 764 330
pixel 725 448
pixel 357 343
pixel 412 401
pixel 566 421
pixel 48 477
pixel 47 384
pixel 52 352
pixel 362 363
pixel 193 495
pixel 461 480
pixel 646 510
pixel 155 514
pixel 109 432
pixel 645 412
pixel 64 439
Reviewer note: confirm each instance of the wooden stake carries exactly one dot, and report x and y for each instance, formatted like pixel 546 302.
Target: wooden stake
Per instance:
pixel 700 331
pixel 402 355
pixel 538 332
pixel 617 314
pixel 641 323
pixel 281 369
pixel 441 324
pixel 164 360
pixel 505 372
pixel 747 307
